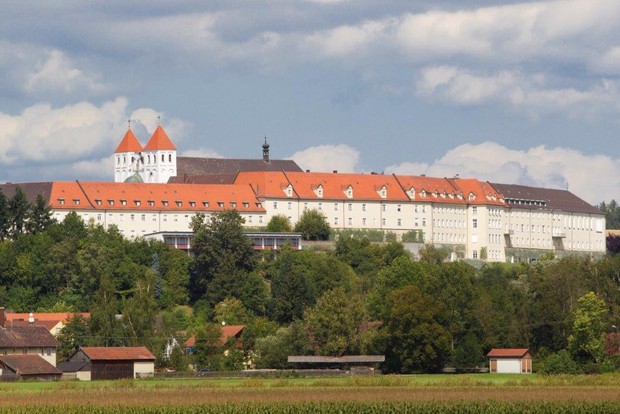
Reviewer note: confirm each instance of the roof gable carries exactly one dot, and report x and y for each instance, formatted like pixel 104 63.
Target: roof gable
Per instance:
pixel 27 337
pixel 508 352
pixel 121 353
pixel 29 364
pixel 159 141
pixel 129 143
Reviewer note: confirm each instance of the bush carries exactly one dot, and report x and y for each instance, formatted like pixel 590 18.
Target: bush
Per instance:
pixel 559 363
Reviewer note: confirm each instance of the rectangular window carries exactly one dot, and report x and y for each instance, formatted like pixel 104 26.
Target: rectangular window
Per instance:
pixel 275 205
pixel 474 223
pixel 474 210
pixel 350 207
pixel 290 205
pixel 363 207
pixel 364 221
pixel 399 222
pixel 320 206
pixel 350 221
pixel 143 217
pixel 335 206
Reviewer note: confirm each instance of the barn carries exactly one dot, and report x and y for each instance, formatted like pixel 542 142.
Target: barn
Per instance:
pixel 510 361
pixel 105 363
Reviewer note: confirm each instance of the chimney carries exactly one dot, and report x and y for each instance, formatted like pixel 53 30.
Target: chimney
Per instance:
pixel 2 317
pixel 335 171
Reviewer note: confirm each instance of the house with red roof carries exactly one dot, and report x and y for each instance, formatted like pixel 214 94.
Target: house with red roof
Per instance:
pixel 106 363
pixel 229 332
pixel 27 367
pixel 27 340
pixel 510 361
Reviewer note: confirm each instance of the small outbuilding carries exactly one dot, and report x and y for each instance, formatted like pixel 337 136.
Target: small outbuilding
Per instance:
pixel 105 363
pixel 28 367
pixel 510 361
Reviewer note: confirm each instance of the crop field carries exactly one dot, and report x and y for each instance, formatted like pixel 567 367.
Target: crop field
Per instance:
pixel 375 394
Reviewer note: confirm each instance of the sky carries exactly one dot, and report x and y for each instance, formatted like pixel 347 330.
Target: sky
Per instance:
pixel 515 92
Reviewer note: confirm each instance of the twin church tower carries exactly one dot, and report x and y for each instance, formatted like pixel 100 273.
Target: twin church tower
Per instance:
pixel 156 162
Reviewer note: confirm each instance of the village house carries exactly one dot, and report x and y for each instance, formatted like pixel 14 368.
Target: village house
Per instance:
pixel 107 363
pixel 510 361
pixel 27 340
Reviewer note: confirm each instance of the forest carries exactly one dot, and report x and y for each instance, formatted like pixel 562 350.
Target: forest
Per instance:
pixel 357 298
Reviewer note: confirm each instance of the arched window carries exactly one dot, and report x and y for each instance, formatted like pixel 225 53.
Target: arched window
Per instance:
pixel 162 158
pixel 169 157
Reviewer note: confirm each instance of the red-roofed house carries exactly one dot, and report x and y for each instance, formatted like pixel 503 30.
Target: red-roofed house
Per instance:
pixel 28 366
pixel 96 363
pixel 228 332
pixel 510 361
pixel 53 321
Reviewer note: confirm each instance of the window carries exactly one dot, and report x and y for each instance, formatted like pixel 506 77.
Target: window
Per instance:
pixel 165 203
pixel 290 205
pixel 132 217
pixel 335 206
pixel 98 202
pixel 179 203
pixel 76 201
pixel 275 205
pixel 350 207
pixel 61 201
pixel 474 223
pixel 152 203
pixel 124 202
pixel 249 219
pixel 246 204
pixel 220 204
pixel 350 221
pixel 335 221
pixel 205 204
pixel 423 222
pixel 384 207
pixel 399 222
pixel 143 217
pixel 364 221
pixel 192 204
pixel 363 207
pixel 305 206
pixel 233 204
pixel 383 222
pixel 474 254
pixel 398 207
pixel 474 210
pixel 320 206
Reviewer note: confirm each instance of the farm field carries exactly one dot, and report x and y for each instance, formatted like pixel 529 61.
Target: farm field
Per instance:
pixel 414 393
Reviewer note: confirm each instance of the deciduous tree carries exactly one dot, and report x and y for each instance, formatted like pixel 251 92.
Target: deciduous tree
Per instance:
pixel 313 226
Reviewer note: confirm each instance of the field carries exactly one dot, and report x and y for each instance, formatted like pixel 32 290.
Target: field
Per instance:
pixel 373 394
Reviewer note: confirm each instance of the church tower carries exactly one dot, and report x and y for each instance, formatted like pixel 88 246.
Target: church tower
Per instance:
pixel 127 157
pixel 159 157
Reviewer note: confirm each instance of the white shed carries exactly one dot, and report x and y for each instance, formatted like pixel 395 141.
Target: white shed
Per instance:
pixel 510 361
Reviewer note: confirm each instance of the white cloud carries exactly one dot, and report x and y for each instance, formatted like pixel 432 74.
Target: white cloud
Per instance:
pixel 531 94
pixel 58 74
pixel 594 178
pixel 74 139
pixel 328 158
pixel 201 153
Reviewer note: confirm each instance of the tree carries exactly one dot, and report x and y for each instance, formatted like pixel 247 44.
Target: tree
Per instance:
pixel 333 323
pixel 433 255
pixel 279 224
pixel 587 342
pixel 289 288
pixel 418 338
pixel 139 312
pixel 313 226
pixel 223 256
pixel 231 312
pixel 5 217
pixel 39 217
pixel 208 349
pixel 105 328
pixel 18 212
pixel 73 335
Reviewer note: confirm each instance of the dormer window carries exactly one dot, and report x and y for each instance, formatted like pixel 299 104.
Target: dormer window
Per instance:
pixel 205 204
pixel 319 191
pixel 259 205
pixel 76 201
pixel 61 201
pixel 349 192
pixel 471 197
pixel 179 203
pixel 192 204
pixel 152 203
pixel 165 203
pixel 289 191
pixel 423 193
pixel 411 193
pixel 98 202
pixel 382 192
pixel 220 204
pixel 124 202
pixel 233 204
pixel 111 202
pixel 246 204
pixel 137 202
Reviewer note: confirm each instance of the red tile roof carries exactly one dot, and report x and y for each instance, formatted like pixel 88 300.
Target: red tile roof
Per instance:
pixel 430 189
pixel 29 364
pixel 129 143
pixel 228 331
pixel 159 141
pixel 153 197
pixel 508 352
pixel 265 183
pixel 26 337
pixel 45 316
pixel 49 325
pixel 483 192
pixel 122 353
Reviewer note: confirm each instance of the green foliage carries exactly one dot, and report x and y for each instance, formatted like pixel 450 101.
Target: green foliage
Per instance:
pixel 559 363
pixel 139 312
pixel 279 224
pixel 178 360
pixel 433 255
pixel 417 332
pixel 105 327
pixel 333 323
pixel 413 236
pixel 612 214
pixel 223 257
pixel 587 342
pixel 359 234
pixel 208 350
pixel 73 335
pixel 231 312
pixel 313 226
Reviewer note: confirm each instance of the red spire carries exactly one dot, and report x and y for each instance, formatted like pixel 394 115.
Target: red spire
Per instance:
pixel 129 143
pixel 159 141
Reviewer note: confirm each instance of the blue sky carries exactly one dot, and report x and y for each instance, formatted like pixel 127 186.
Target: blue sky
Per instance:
pixel 515 92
